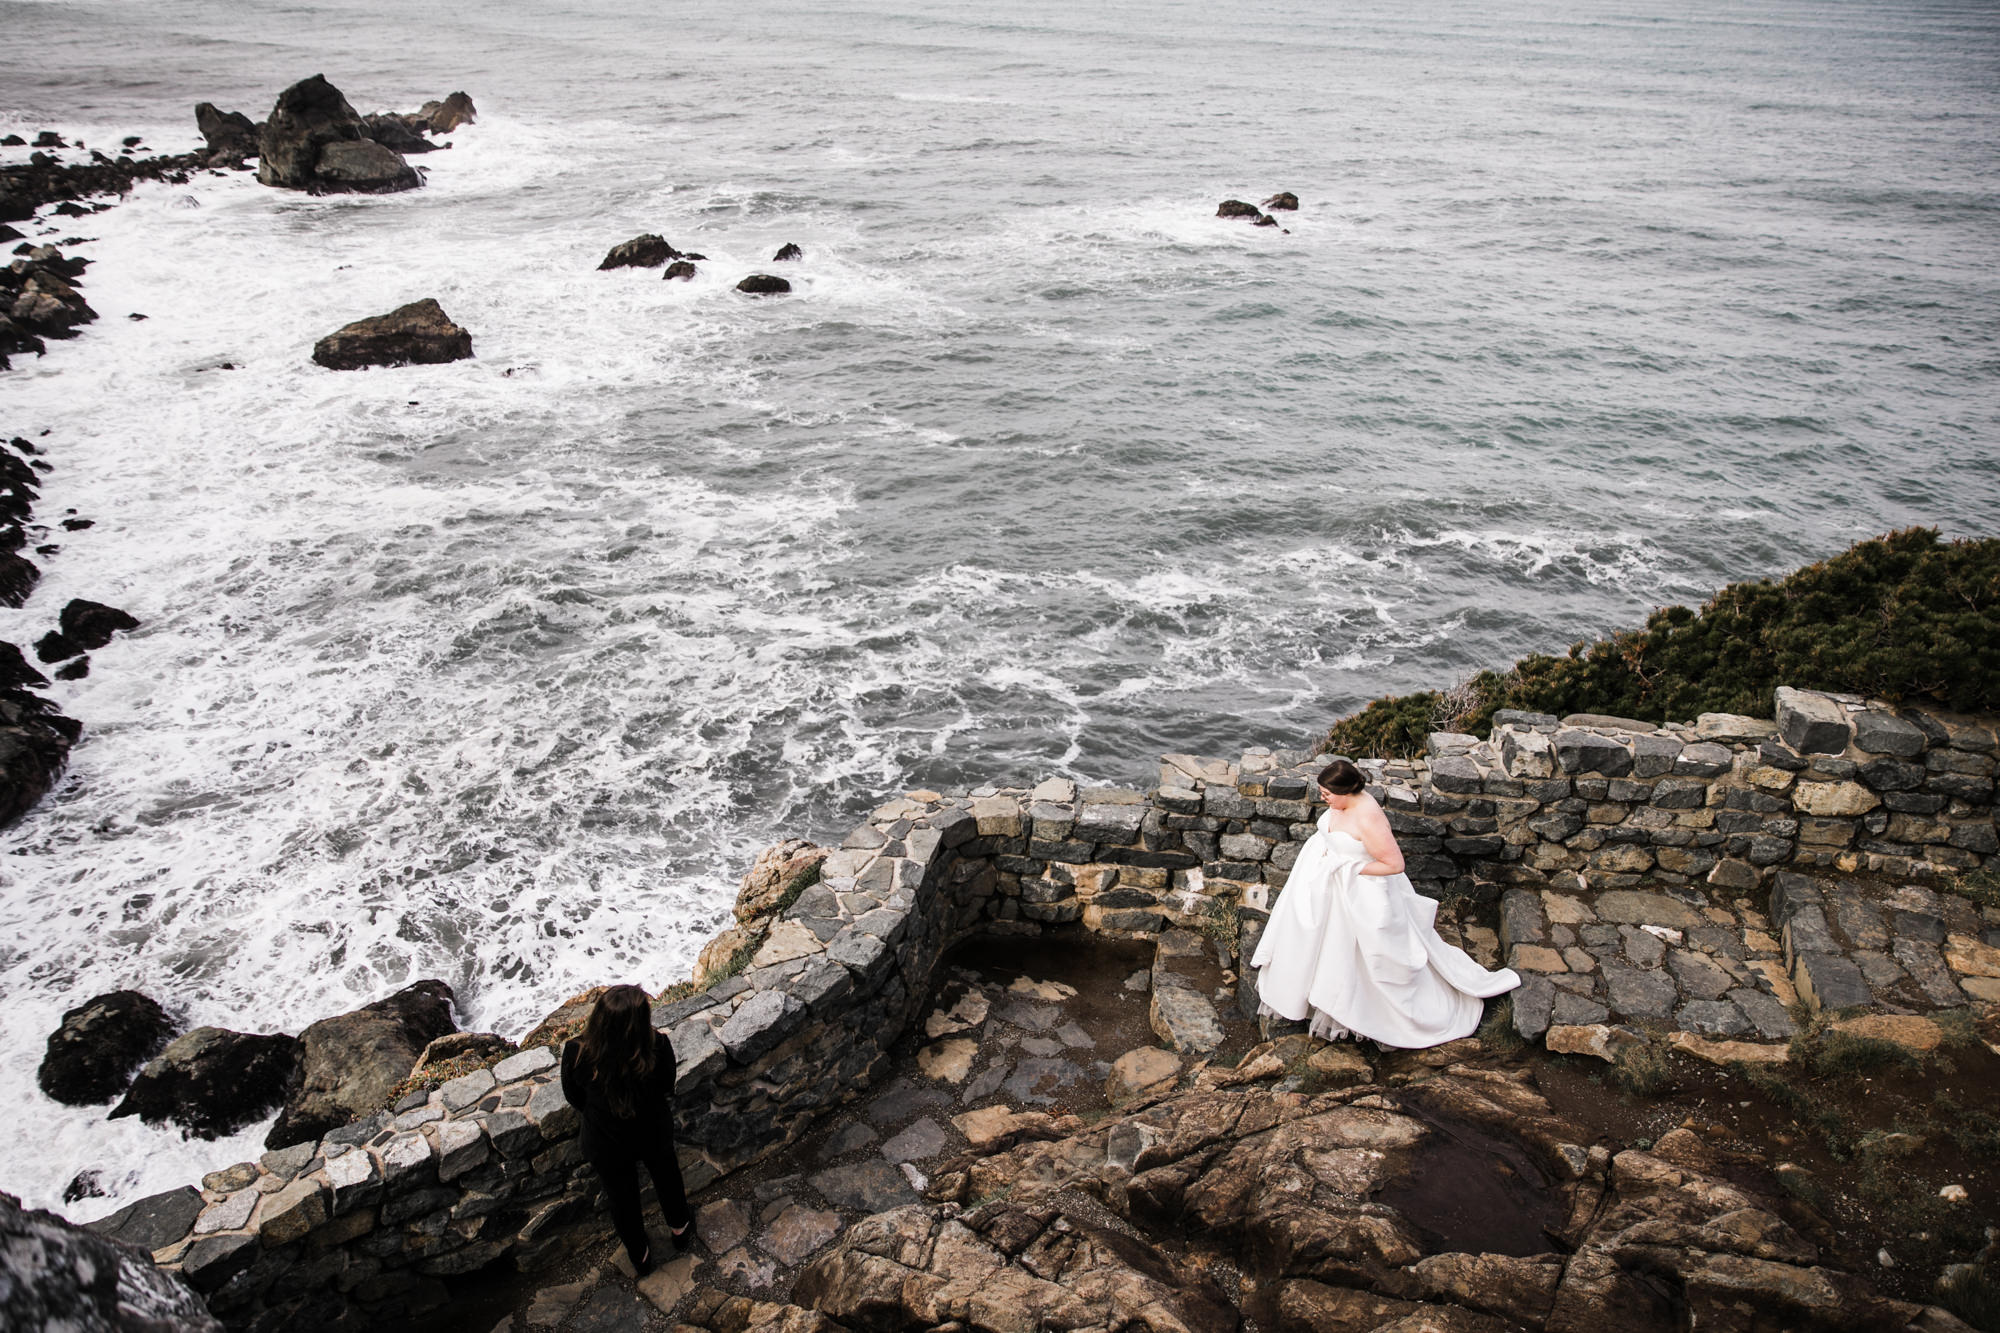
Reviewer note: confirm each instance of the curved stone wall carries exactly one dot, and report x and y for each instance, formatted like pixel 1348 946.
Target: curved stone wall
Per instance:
pixel 359 1228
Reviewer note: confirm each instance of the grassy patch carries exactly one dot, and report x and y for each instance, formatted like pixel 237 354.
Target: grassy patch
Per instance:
pixel 1901 616
pixel 1222 922
pixel 1972 1292
pixel 1496 1032
pixel 443 1072
pixel 806 879
pixel 1642 1070
pixel 1979 887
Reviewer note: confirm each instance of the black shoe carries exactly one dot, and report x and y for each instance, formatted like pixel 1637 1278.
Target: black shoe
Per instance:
pixel 644 1263
pixel 683 1238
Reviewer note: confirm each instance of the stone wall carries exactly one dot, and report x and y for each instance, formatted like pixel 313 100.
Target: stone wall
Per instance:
pixel 359 1227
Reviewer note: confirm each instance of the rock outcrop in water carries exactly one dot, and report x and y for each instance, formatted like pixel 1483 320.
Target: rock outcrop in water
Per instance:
pixel 231 136
pixel 315 141
pixel 643 251
pixel 38 300
pixel 446 116
pixel 212 1081
pixel 1283 200
pixel 787 252
pixel 92 1055
pixel 59 1276
pixel 679 271
pixel 764 284
pixel 419 333
pixel 349 1064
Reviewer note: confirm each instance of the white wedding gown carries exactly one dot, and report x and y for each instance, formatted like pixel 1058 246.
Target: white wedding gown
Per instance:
pixel 1362 954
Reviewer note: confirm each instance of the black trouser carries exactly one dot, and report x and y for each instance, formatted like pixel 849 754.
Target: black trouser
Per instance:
pixel 618 1168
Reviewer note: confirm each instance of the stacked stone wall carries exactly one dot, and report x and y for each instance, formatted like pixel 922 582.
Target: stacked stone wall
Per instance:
pixel 360 1227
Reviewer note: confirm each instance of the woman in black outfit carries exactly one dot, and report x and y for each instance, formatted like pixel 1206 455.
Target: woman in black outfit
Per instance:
pixel 620 1078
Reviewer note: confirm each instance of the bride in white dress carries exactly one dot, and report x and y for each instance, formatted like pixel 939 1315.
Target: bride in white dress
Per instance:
pixel 1353 943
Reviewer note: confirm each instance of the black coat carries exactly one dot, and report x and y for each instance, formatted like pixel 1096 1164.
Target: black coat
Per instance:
pixel 605 1131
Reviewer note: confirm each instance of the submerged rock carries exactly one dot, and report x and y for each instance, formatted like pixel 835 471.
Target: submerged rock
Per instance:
pixel 642 251
pixel 1283 199
pixel 212 1081
pixel 1236 208
pixel 15 671
pixel 763 284
pixel 35 741
pixel 54 647
pixel 788 251
pixel 60 1276
pixel 680 270
pixel 349 1064
pixel 92 1055
pixel 419 333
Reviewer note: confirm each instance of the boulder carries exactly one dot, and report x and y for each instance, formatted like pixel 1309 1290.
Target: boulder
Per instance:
pixel 229 134
pixel 419 333
pixel 396 133
pixel 642 251
pixel 60 1276
pixel 15 671
pixel 18 577
pixel 54 647
pixel 680 269
pixel 311 118
pixel 780 873
pixel 446 116
pixel 457 1053
pixel 763 284
pixel 212 1081
pixel 363 166
pixel 90 625
pixel 1236 208
pixel 787 251
pixel 92 1055
pixel 1283 199
pixel 349 1064
pixel 35 741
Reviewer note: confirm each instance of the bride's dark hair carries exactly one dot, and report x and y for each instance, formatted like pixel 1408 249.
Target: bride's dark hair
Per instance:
pixel 618 1046
pixel 1342 778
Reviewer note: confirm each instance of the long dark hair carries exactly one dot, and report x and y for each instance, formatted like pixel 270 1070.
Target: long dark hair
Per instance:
pixel 618 1046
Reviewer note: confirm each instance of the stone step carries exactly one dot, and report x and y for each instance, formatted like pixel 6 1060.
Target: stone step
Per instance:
pixel 1184 972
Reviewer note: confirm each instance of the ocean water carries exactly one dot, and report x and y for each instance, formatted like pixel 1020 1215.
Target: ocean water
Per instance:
pixel 502 671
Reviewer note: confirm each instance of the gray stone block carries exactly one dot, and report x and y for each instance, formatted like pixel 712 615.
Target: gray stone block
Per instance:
pixel 1830 981
pixel 1703 759
pixel 1711 1018
pixel 1880 732
pixel 1534 1004
pixel 1182 1016
pixel 1764 1013
pixel 1635 993
pixel 156 1221
pixel 1698 975
pixel 759 1023
pixel 1521 920
pixel 1454 773
pixel 1789 892
pixel 1654 755
pixel 1588 752
pixel 1572 1009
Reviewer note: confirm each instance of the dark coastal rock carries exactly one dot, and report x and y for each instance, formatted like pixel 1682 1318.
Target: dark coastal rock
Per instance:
pixel 61 1276
pixel 93 1054
pixel 363 167
pixel 643 251
pixel 212 1081
pixel 446 116
pixel 680 270
pixel 13 141
pixel 54 647
pixel 419 333
pixel 763 284
pixel 18 577
pixel 787 251
pixel 349 1064
pixel 15 671
pixel 35 741
pixel 1283 199
pixel 49 139
pixel 1236 208
pixel 1264 220
pixel 315 141
pixel 76 670
pixel 91 624
pixel 42 300
pixel 397 133
pixel 230 135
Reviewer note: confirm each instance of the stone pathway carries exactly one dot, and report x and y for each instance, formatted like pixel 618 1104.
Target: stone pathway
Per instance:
pixel 1017 1027
pixel 1710 963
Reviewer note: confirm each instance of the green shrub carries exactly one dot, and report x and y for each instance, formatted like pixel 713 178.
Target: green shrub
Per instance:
pixel 1905 616
pixel 1642 1070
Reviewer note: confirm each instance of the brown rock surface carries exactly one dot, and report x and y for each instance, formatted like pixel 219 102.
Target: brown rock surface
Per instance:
pixel 419 333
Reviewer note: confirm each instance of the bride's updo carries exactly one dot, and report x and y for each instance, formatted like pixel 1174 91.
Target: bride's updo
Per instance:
pixel 1343 779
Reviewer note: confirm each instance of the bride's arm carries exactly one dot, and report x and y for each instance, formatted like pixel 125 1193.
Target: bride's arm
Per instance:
pixel 1386 858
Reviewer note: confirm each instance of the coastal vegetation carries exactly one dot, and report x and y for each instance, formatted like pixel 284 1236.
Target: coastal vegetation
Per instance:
pixel 1906 616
